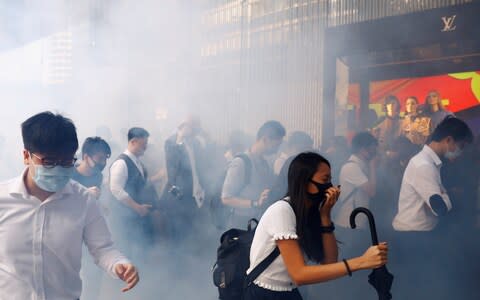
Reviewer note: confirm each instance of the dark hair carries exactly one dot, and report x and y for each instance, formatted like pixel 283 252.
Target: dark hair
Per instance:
pixel 454 127
pixel 300 138
pixel 272 130
pixel 427 109
pixel 137 132
pixel 94 145
pixel 49 133
pixel 412 97
pixel 391 99
pixel 300 172
pixel 363 140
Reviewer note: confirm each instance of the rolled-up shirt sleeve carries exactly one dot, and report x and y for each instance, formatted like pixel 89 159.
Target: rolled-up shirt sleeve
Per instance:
pixel 118 179
pixel 97 238
pixel 428 183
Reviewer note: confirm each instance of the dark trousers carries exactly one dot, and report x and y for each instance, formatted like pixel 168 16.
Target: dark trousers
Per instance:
pixel 254 292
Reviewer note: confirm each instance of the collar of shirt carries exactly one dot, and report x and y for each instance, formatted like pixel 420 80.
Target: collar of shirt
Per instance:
pixel 17 188
pixel 131 155
pixel 432 155
pixel 135 160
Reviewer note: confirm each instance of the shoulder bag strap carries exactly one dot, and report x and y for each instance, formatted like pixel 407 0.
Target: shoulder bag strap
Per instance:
pixel 262 266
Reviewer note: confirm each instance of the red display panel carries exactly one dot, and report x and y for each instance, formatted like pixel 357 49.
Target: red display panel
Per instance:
pixel 459 91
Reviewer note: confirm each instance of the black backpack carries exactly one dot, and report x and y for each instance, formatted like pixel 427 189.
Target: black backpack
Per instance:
pixel 219 213
pixel 233 260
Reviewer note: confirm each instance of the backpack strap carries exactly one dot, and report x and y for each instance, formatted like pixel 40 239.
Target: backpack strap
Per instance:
pixel 262 266
pixel 248 168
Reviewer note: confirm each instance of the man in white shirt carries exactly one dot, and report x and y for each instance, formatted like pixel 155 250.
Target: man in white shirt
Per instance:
pixel 358 179
pixel 95 152
pixel 186 171
pixel 248 180
pixel 419 244
pixel 45 218
pixel 423 199
pixel 133 199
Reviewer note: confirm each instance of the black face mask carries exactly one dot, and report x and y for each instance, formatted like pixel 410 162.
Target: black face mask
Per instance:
pixel 319 196
pixel 98 167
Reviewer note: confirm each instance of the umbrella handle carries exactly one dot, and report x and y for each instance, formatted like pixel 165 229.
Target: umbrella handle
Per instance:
pixel 371 221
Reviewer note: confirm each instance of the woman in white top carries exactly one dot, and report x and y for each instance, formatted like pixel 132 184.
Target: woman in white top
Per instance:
pixel 302 229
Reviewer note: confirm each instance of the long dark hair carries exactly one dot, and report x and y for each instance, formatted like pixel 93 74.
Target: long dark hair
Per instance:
pixel 300 172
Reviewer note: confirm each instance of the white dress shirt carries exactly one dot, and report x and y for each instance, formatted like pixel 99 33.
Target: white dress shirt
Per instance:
pixel 198 192
pixel 279 162
pixel 41 242
pixel 421 180
pixel 353 175
pixel 119 176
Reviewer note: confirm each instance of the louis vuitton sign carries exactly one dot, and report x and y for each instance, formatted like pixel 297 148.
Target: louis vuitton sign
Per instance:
pixel 449 23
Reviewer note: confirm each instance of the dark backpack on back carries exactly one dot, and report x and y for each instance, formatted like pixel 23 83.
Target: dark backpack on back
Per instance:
pixel 233 260
pixel 220 213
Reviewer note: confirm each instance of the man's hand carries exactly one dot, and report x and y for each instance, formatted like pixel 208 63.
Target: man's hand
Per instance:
pixel 94 191
pixel 143 209
pixel 127 273
pixel 263 197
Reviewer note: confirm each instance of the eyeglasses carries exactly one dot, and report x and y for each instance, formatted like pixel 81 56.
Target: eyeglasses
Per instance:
pixel 50 163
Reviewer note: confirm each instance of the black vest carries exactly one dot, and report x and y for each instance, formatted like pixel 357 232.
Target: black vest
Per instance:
pixel 135 184
pixel 135 187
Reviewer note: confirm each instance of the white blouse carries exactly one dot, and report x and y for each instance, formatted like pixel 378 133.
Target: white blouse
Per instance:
pixel 277 223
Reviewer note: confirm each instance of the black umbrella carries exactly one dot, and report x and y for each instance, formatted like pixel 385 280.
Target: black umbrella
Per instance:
pixel 380 278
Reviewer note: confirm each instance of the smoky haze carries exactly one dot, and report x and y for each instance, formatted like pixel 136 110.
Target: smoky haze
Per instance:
pixel 111 65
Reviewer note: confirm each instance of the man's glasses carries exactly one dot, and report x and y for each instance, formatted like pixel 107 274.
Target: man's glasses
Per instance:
pixel 50 163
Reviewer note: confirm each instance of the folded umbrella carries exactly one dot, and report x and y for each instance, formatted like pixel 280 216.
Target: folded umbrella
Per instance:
pixel 380 278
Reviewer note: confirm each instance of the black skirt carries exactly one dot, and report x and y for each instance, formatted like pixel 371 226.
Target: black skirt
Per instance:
pixel 254 292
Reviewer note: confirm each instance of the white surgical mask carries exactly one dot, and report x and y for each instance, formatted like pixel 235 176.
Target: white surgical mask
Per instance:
pixel 52 179
pixel 453 154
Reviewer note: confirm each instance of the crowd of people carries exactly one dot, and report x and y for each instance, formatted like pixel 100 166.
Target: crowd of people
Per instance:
pixel 405 170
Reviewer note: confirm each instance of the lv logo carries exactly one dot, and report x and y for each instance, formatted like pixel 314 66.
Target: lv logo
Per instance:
pixel 448 23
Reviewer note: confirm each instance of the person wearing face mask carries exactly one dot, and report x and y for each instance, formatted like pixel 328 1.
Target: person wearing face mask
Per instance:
pixel 422 203
pixel 46 217
pixel 95 152
pixel 299 229
pixel 249 179
pixel 358 178
pixel 417 210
